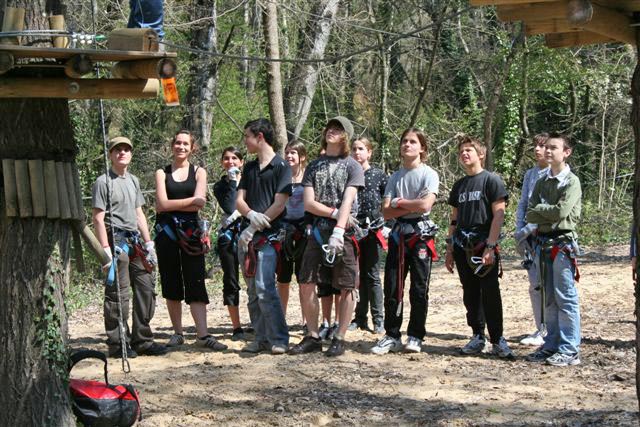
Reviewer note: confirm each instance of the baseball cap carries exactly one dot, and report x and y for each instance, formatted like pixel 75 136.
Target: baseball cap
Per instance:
pixel 119 140
pixel 345 123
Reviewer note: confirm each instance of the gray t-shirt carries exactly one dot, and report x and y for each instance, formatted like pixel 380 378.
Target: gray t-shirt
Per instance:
pixel 330 176
pixel 126 196
pixel 412 184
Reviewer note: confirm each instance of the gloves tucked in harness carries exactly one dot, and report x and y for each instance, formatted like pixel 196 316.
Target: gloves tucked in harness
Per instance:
pixel 336 241
pixel 152 257
pixel 259 221
pixel 245 238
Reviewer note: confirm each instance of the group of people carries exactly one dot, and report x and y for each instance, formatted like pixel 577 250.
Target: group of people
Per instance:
pixel 328 221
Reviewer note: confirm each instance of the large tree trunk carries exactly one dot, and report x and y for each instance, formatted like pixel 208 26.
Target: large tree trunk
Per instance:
pixel 635 122
pixel 304 77
pixel 201 95
pixel 274 79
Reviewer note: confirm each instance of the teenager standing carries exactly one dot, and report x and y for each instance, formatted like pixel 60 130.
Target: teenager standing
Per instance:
pixel 478 202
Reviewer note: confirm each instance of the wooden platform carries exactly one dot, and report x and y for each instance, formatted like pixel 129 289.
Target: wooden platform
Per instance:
pixel 93 55
pixel 567 23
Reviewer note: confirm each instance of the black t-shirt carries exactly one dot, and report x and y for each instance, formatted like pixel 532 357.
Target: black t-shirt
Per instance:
pixel 370 196
pixel 261 186
pixel 473 196
pixel 225 192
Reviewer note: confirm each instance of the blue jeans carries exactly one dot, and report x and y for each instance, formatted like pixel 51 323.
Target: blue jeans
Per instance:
pixel 146 14
pixel 562 309
pixel 265 310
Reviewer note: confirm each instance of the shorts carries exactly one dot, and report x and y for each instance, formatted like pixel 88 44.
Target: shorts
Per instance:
pixel 343 275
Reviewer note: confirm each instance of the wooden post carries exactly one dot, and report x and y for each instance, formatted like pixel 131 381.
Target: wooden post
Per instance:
pixel 78 66
pixel 56 22
pixel 140 39
pixel 13 21
pixel 78 88
pixel 63 197
pixel 10 190
pixel 36 179
pixel 635 124
pixel 24 190
pixel 71 191
pixel 91 240
pixel 163 68
pixel 51 189
pixel 6 62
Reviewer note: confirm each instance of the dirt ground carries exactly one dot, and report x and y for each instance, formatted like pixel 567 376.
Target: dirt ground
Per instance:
pixel 189 387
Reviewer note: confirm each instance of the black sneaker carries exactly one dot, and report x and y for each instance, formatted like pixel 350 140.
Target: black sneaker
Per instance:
pixel 332 331
pixel 154 349
pixel 307 345
pixel 336 348
pixel 238 335
pixel 117 353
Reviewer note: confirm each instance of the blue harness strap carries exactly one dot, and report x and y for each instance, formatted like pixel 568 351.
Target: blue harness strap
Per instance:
pixel 167 230
pixel 318 236
pixel 111 275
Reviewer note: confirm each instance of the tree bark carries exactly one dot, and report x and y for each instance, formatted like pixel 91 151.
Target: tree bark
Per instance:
pixel 304 77
pixel 635 123
pixel 201 95
pixel 274 79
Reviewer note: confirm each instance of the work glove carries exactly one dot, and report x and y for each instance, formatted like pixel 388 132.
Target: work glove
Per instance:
pixel 231 218
pixel 245 238
pixel 152 257
pixel 107 266
pixel 394 202
pixel 233 173
pixel 336 241
pixel 259 220
pixel 386 231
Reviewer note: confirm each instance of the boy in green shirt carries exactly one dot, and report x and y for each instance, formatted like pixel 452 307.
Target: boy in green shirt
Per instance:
pixel 555 206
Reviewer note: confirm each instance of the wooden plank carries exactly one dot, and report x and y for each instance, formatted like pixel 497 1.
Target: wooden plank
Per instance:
pixel 13 20
pixel 94 55
pixel 550 26
pixel 63 195
pixel 78 88
pixel 10 189
pixel 56 22
pixel 71 190
pixel 78 191
pixel 24 189
pixel 139 39
pixel 51 189
pixel 575 39
pixel 36 179
pixel 534 11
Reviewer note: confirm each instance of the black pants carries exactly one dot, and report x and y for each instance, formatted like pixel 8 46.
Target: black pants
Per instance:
pixel 230 274
pixel 370 286
pixel 181 275
pixel 417 261
pixel 481 296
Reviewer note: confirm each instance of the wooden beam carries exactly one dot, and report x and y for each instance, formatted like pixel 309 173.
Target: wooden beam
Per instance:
pixel 78 66
pixel 575 39
pixel 534 11
pixel 611 24
pixel 78 89
pixel 505 2
pixel 94 55
pixel 164 68
pixel 550 26
pixel 136 39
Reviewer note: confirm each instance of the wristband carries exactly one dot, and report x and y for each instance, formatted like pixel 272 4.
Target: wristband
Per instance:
pixel 491 245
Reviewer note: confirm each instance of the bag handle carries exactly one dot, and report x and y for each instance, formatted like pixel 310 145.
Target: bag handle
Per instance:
pixel 79 355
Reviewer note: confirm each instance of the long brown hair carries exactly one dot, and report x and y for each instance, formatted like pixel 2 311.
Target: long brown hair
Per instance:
pixel 345 142
pixel 300 149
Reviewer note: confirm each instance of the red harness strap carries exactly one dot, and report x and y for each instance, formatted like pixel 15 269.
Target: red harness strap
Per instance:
pixel 430 244
pixel 554 252
pixel 251 259
pixel 381 239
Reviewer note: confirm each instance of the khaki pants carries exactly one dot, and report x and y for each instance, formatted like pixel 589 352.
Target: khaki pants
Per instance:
pixel 131 275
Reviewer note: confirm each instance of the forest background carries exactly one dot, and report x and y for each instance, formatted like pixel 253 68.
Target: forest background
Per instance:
pixel 440 65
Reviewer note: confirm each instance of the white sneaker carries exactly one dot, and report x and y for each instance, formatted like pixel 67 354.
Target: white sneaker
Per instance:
pixel 387 344
pixel 278 349
pixel 413 345
pixel 502 349
pixel 536 339
pixel 476 345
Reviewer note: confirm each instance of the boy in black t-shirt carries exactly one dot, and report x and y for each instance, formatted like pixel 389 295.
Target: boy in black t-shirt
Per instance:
pixel 478 202
pixel 263 191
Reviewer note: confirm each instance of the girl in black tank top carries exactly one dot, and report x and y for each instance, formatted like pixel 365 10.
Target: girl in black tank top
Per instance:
pixel 181 190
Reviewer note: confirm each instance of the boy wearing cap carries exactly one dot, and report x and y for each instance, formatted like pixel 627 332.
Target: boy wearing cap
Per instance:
pixel 330 185
pixel 122 230
pixel 263 192
pixel 478 202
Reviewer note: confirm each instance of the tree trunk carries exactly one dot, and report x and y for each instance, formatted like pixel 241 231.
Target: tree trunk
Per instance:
pixel 496 94
pixel 274 79
pixel 201 95
pixel 635 123
pixel 304 77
